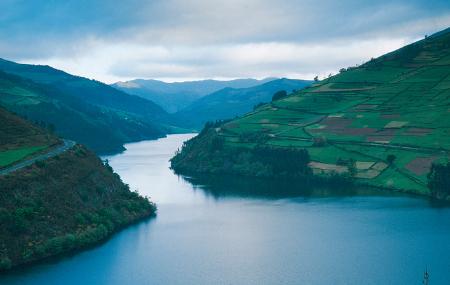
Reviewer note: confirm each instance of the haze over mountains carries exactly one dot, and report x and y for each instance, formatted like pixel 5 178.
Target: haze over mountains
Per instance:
pixel 175 96
pixel 104 118
pixel 230 102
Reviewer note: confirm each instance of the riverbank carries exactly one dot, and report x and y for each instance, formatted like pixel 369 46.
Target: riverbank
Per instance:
pixel 61 205
pixel 239 232
pixel 209 153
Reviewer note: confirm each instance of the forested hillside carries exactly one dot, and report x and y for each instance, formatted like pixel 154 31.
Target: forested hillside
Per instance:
pixel 60 204
pixel 84 110
pixel 384 123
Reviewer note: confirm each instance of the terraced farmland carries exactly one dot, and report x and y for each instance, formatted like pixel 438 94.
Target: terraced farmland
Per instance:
pixel 387 120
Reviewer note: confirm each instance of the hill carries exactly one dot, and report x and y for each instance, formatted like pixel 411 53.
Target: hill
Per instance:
pixel 84 110
pixel 231 102
pixel 103 130
pixel 178 95
pixel 383 124
pixel 59 205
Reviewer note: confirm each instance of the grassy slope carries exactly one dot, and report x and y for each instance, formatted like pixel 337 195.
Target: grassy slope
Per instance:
pixel 11 156
pixel 61 204
pixel 17 142
pixel 61 99
pixel 72 117
pixel 231 102
pixel 90 91
pixel 397 104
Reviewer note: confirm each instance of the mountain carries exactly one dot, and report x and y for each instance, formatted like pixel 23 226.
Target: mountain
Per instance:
pixel 84 110
pixel 60 204
pixel 384 124
pixel 231 102
pixel 177 95
pixel 103 130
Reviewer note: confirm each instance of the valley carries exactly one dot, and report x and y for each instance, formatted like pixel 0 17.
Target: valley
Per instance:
pixel 224 142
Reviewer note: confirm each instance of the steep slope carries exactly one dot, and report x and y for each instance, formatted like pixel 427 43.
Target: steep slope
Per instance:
pixel 102 111
pixel 101 129
pixel 19 140
pixel 231 102
pixel 383 123
pixel 178 95
pixel 61 204
pixel 90 91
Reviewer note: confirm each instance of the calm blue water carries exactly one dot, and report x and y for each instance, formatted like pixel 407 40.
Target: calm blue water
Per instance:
pixel 241 233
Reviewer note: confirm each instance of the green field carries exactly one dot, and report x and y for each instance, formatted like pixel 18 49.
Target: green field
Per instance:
pixel 397 105
pixel 10 156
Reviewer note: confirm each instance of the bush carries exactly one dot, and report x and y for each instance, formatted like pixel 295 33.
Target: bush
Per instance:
pixel 390 158
pixel 439 180
pixel 5 263
pixel 279 95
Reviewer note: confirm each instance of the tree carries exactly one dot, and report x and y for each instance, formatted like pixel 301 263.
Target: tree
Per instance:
pixel 352 167
pixel 319 141
pixel 439 180
pixel 316 78
pixel 279 95
pixel 390 158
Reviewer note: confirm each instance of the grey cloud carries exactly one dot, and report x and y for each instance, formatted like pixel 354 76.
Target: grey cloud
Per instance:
pixel 205 38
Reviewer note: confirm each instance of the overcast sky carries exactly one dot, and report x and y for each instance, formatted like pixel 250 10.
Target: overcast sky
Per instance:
pixel 178 40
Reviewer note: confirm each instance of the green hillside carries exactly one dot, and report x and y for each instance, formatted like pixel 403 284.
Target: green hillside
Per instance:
pixel 101 129
pixel 175 96
pixel 228 103
pixel 60 204
pixel 17 142
pixel 382 123
pixel 65 100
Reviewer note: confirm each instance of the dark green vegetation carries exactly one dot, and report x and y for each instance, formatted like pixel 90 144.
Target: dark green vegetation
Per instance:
pixel 18 142
pixel 175 96
pixel 383 123
pixel 207 153
pixel 80 109
pixel 439 180
pixel 60 204
pixel 231 102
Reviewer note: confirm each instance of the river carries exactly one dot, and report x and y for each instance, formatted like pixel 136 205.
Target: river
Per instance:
pixel 221 231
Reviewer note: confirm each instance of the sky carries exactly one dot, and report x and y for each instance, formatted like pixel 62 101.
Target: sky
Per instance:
pixel 177 40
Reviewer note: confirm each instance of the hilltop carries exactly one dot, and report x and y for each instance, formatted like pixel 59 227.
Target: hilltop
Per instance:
pixel 58 205
pixel 80 109
pixel 230 102
pixel 383 124
pixel 178 95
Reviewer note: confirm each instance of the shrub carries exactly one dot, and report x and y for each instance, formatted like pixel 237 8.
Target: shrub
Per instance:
pixel 279 95
pixel 390 158
pixel 439 180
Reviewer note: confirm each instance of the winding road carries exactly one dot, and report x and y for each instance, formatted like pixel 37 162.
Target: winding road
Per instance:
pixel 67 144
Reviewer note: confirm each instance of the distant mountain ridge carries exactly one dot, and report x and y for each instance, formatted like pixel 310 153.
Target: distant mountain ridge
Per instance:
pixel 178 95
pixel 228 103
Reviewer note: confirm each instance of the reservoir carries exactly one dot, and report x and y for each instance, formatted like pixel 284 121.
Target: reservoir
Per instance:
pixel 223 230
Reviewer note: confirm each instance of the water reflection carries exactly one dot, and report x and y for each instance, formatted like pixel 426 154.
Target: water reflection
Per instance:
pixel 231 230
pixel 222 186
